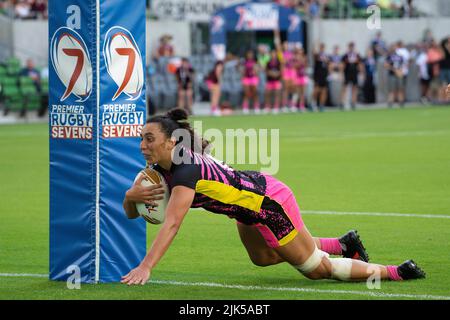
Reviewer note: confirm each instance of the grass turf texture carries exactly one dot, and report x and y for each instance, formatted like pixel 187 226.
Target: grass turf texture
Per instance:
pixel 365 161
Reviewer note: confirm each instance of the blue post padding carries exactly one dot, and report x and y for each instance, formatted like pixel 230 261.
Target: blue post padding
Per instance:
pixel 94 136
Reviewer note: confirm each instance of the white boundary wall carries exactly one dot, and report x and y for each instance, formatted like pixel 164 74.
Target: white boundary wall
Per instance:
pixel 341 32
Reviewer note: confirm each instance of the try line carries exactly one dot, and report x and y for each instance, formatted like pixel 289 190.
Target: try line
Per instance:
pixel 267 288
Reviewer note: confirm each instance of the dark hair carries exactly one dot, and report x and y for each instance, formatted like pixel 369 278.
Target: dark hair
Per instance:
pixel 177 119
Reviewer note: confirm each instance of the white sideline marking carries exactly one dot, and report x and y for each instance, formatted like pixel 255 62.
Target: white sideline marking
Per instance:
pixel 375 134
pixel 377 214
pixel 373 214
pixel 263 288
pixel 25 275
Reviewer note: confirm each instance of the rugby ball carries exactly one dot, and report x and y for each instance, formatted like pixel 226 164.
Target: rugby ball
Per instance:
pixel 151 214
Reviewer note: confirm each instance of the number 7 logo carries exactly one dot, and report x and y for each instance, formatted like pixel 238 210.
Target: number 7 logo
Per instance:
pixel 129 71
pixel 124 63
pixel 78 53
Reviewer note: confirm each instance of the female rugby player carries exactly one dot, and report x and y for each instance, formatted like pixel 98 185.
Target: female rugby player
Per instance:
pixel 250 82
pixel 268 218
pixel 214 81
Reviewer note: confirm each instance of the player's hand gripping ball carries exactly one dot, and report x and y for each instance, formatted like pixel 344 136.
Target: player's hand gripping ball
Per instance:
pixel 153 214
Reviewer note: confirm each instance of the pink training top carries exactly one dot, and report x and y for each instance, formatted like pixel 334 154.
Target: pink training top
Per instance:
pixel 288 58
pixel 249 68
pixel 300 68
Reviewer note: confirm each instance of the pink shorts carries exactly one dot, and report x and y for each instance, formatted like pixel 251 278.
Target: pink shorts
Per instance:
pixel 280 214
pixel 289 74
pixel 273 85
pixel 252 81
pixel 301 81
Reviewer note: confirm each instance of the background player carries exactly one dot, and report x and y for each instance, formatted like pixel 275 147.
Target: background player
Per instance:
pixel 214 81
pixel 250 82
pixel 185 78
pixel 321 70
pixel 351 67
pixel 273 85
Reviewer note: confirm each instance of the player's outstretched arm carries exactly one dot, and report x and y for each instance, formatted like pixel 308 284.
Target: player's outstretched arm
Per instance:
pixel 179 203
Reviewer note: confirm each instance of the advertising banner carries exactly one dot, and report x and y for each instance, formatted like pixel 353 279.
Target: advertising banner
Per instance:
pixel 256 15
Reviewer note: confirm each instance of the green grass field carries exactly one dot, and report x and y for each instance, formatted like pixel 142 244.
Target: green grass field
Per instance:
pixel 380 161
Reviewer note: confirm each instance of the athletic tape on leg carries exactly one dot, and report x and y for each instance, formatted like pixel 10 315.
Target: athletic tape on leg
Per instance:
pixel 341 268
pixel 313 261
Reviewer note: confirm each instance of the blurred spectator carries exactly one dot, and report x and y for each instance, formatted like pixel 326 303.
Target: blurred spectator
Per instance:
pixel 39 8
pixel 435 56
pixel 250 82
pixel 273 85
pixel 396 80
pixel 321 69
pixel 407 10
pixel 301 78
pixel 424 75
pixel 263 55
pixel 31 71
pixel 369 89
pixel 378 46
pixel 335 61
pixel 185 78
pixel 362 4
pixel 406 57
pixel 314 9
pixel 384 4
pixel 428 37
pixel 214 82
pixel 22 10
pixel 351 67
pixel 287 3
pixel 165 49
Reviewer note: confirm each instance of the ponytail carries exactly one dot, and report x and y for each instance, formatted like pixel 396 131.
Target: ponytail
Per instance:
pixel 178 119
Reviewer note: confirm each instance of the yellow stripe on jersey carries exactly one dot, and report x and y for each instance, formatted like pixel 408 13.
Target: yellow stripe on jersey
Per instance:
pixel 288 238
pixel 230 195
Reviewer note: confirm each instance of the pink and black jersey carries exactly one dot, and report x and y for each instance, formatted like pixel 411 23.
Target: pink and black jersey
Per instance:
pixel 288 58
pixel 300 68
pixel 249 68
pixel 273 65
pixel 250 197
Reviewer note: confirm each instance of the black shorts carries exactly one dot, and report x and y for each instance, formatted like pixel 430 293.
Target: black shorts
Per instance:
pixel 321 81
pixel 351 78
pixel 185 86
pixel 425 82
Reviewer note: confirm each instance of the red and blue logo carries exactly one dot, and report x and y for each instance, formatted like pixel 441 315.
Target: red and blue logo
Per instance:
pixel 124 63
pixel 71 62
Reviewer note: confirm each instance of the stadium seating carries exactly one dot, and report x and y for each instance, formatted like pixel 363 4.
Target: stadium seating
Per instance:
pixel 31 97
pixel 19 93
pixel 10 93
